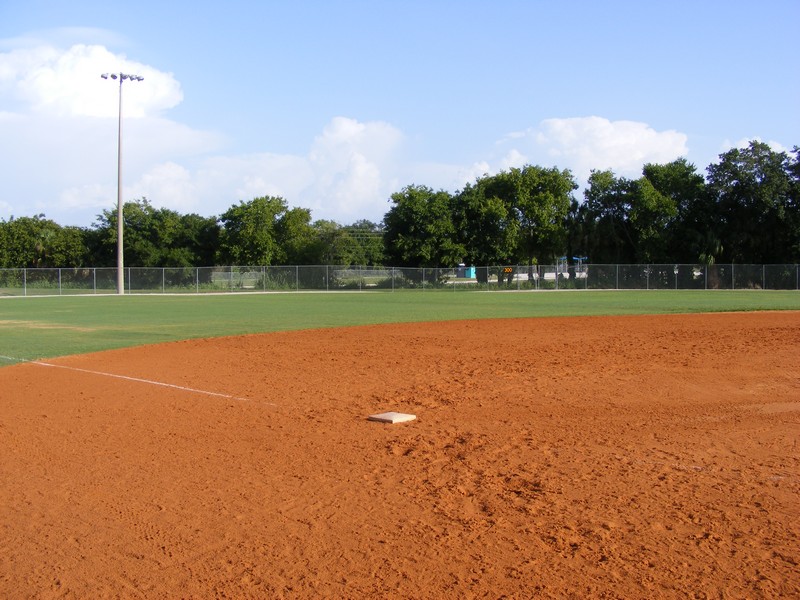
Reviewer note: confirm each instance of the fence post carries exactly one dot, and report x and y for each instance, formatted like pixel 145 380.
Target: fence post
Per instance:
pixel 94 280
pixel 733 278
pixel 163 279
pixel 59 281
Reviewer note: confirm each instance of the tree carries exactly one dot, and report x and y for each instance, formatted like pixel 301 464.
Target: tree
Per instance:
pixel 486 223
pixel 358 244
pixel 625 220
pixel 605 218
pixel 249 235
pixel 155 237
pixel 368 238
pixel 200 237
pixel 651 213
pixel 295 237
pixel 419 229
pixel 37 242
pixel 540 200
pixel 690 235
pixel 332 245
pixel 755 194
pixel 793 208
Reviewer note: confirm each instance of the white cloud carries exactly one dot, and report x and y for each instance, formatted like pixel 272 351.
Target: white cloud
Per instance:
pixel 585 143
pixel 347 175
pixel 354 169
pixel 745 143
pixel 513 160
pixel 168 180
pixel 50 81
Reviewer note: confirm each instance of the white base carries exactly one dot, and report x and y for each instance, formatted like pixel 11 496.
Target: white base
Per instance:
pixel 391 417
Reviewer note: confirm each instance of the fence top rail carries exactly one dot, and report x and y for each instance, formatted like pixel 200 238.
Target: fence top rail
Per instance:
pixel 386 268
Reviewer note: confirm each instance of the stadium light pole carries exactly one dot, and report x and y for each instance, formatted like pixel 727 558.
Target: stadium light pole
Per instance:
pixel 120 253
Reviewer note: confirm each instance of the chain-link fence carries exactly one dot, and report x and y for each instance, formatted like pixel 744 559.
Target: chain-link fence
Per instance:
pixel 297 278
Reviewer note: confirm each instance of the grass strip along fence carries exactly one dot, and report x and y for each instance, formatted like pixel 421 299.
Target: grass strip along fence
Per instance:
pixel 198 280
pixel 52 326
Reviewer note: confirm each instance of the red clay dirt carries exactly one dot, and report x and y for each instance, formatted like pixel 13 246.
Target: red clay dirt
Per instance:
pixel 628 457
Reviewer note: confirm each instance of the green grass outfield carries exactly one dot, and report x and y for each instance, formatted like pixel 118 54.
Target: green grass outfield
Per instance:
pixel 39 327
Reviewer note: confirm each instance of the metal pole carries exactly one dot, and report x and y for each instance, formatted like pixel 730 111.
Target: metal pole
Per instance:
pixel 120 226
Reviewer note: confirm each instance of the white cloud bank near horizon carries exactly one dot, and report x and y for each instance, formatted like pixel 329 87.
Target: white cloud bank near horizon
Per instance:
pixel 58 124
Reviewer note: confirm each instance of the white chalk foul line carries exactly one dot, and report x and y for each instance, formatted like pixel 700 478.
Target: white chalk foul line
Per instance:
pixel 136 379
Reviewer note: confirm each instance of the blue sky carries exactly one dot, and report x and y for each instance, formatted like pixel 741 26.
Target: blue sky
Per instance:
pixel 336 105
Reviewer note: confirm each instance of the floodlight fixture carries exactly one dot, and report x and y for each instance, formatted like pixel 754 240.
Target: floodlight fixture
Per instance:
pixel 120 224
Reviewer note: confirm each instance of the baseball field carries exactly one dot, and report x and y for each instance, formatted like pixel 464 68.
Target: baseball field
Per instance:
pixel 566 444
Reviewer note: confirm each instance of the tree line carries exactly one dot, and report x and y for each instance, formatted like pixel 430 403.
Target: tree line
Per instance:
pixel 746 209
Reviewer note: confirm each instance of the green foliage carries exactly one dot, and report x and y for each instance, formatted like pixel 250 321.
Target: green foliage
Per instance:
pixel 154 237
pixel 539 200
pixel 755 191
pixel 687 235
pixel 39 242
pixel 605 218
pixel 420 230
pixel 485 220
pixel 358 244
pixel 650 216
pixel 250 232
pixel 332 245
pixel 368 237
pixel 294 237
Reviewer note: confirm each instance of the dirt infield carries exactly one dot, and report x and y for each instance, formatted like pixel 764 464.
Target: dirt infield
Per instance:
pixel 628 457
